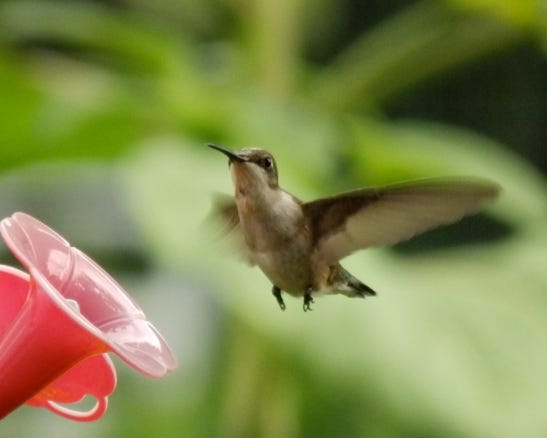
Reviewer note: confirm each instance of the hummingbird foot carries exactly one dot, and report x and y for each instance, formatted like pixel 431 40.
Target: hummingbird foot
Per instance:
pixel 308 300
pixel 277 294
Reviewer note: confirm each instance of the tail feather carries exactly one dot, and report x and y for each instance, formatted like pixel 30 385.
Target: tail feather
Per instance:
pixel 361 289
pixel 347 284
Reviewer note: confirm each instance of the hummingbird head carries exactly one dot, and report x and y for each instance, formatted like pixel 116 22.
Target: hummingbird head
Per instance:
pixel 253 169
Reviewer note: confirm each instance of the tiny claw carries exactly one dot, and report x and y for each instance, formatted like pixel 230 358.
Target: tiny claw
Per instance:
pixel 308 300
pixel 277 294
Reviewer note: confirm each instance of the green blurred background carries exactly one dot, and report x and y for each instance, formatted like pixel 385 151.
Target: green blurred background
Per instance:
pixel 105 108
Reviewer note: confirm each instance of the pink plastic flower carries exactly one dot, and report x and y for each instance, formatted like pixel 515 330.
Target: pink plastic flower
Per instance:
pixel 57 323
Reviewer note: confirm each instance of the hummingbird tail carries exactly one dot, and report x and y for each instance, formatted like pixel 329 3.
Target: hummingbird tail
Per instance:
pixel 360 289
pixel 351 286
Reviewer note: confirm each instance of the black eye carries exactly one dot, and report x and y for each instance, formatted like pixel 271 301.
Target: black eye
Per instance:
pixel 267 163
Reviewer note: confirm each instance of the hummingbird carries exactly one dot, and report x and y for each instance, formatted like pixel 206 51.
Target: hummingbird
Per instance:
pixel 298 245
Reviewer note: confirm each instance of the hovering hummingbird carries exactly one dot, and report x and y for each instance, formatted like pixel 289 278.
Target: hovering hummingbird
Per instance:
pixel 298 244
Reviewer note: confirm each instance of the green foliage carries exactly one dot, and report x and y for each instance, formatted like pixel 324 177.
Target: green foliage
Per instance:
pixel 105 112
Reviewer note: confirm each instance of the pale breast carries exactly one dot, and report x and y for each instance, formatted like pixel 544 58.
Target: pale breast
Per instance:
pixel 269 221
pixel 278 239
pixel 288 269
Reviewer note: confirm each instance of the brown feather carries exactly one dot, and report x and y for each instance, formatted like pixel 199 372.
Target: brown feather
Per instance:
pixel 386 215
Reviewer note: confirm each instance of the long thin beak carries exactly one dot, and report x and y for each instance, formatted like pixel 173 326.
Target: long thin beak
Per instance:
pixel 230 154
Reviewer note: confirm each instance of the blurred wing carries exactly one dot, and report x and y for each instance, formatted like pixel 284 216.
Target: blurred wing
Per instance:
pixel 387 215
pixel 225 212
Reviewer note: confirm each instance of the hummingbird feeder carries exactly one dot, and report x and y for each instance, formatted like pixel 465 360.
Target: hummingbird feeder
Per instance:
pixel 59 321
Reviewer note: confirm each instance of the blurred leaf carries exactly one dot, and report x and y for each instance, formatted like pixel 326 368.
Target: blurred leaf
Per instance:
pixel 131 40
pixel 421 41
pixel 199 15
pixel 528 14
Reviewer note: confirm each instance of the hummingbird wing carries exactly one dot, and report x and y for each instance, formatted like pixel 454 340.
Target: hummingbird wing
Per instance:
pixel 386 215
pixel 225 211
